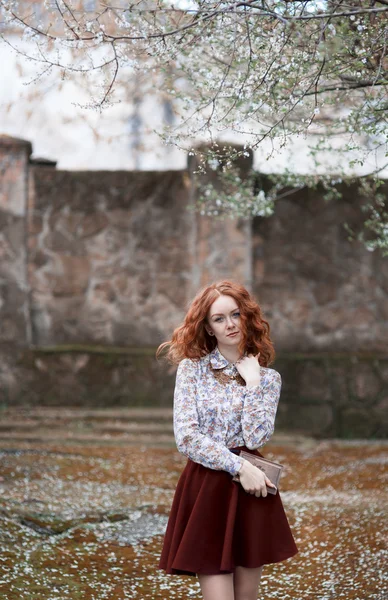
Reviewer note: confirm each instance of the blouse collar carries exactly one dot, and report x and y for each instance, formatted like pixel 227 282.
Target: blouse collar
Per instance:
pixel 219 361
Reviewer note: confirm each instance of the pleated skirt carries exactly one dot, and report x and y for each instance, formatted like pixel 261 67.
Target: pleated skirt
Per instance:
pixel 215 525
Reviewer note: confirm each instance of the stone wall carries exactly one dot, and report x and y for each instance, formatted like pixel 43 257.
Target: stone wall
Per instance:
pixel 320 291
pixel 109 255
pixel 334 394
pixel 323 394
pixel 97 268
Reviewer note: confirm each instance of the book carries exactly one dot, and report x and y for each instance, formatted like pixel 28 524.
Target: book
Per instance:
pixel 271 469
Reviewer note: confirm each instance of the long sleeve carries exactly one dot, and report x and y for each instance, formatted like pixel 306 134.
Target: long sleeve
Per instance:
pixel 189 439
pixel 259 410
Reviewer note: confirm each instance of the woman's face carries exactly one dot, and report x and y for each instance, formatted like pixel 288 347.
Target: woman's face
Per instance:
pixel 223 320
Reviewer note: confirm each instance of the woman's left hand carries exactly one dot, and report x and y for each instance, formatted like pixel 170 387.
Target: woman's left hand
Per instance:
pixel 249 369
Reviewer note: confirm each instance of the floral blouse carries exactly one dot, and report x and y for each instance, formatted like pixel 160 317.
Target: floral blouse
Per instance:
pixel 210 417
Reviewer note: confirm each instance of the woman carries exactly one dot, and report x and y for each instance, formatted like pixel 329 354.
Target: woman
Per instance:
pixel 225 401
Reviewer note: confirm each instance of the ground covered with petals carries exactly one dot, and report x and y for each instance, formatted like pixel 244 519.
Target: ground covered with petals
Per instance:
pixel 86 520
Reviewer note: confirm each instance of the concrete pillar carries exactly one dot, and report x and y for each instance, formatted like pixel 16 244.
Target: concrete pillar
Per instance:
pixel 221 249
pixel 14 289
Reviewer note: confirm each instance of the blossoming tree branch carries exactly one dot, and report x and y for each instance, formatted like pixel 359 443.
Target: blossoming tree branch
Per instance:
pixel 264 71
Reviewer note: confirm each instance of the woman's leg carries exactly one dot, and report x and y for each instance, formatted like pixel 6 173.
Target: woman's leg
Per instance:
pixel 246 583
pixel 217 587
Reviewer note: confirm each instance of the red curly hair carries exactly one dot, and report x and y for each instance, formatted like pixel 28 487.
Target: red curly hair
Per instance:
pixel 191 340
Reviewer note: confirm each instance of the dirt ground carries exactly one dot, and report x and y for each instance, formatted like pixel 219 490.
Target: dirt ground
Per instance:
pixel 83 516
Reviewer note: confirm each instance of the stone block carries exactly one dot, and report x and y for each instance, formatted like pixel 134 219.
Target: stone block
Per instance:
pixel 317 419
pixel 14 157
pixel 69 275
pixel 364 383
pixel 65 219
pixel 15 236
pixel 38 258
pixel 58 242
pixel 339 373
pixel 358 422
pixel 324 292
pixel 313 384
pixel 120 218
pixel 92 224
pixel 380 414
pixel 383 370
pixel 174 288
pixel 297 310
pixel 35 224
pixel 102 292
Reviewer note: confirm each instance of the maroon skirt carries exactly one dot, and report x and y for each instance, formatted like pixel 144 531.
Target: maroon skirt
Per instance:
pixel 215 525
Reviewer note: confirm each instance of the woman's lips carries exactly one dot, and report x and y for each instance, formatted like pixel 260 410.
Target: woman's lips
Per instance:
pixel 232 334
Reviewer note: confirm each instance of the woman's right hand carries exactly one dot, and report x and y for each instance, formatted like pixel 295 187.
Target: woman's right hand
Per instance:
pixel 253 480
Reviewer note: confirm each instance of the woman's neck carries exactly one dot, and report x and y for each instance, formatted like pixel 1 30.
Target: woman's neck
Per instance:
pixel 230 353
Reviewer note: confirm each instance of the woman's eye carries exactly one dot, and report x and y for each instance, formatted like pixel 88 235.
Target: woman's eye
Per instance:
pixel 236 314
pixel 218 319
